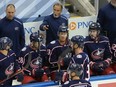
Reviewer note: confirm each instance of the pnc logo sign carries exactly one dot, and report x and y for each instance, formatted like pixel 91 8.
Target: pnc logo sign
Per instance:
pixel 72 26
pixel 79 25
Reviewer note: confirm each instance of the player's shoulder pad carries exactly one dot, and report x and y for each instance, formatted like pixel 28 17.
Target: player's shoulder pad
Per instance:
pixel 24 49
pixel 104 38
pixel 84 54
pixel 43 46
pixel 12 52
pixel 87 38
pixel 18 21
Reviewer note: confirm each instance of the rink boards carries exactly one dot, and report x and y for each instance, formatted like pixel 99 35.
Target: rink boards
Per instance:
pixel 96 81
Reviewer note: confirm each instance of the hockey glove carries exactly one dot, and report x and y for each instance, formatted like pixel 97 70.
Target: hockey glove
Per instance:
pixel 105 64
pixel 38 73
pixel 97 67
pixel 59 75
pixel 20 77
pixel 47 71
pixel 67 61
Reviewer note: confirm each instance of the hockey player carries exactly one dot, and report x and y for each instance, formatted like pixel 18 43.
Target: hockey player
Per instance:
pixel 8 63
pixel 55 49
pixel 114 55
pixel 98 49
pixel 75 71
pixel 36 53
pixel 79 56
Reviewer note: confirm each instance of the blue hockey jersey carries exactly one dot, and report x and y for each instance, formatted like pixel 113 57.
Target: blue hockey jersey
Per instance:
pixel 38 58
pixel 78 83
pixel 55 49
pixel 82 59
pixel 99 50
pixel 8 65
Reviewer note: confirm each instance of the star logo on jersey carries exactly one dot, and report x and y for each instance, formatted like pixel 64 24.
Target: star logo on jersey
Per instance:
pixel 10 69
pixel 36 63
pixel 97 54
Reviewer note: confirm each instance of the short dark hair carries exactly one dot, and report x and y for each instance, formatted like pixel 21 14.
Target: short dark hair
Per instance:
pixel 58 4
pixel 10 5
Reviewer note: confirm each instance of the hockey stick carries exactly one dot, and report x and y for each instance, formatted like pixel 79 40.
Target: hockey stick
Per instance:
pixel 26 66
pixel 62 55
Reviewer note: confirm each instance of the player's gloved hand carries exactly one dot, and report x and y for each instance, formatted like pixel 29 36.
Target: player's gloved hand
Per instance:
pixel 38 73
pixel 61 62
pixel 59 75
pixel 47 71
pixel 97 67
pixel 20 77
pixel 67 60
pixel 105 64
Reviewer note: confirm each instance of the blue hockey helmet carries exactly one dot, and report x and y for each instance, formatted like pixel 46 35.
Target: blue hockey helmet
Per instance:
pixel 78 39
pixel 63 28
pixel 4 42
pixel 77 68
pixel 35 37
pixel 95 26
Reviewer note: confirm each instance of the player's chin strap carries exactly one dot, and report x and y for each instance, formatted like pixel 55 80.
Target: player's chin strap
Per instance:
pixel 25 67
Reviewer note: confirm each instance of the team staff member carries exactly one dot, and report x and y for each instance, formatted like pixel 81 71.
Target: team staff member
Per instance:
pixel 12 27
pixel 52 22
pixel 107 19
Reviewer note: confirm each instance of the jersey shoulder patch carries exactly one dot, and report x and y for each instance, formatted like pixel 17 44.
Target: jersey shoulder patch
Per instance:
pixel 53 42
pixel 79 56
pixel 24 49
pixel 67 82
